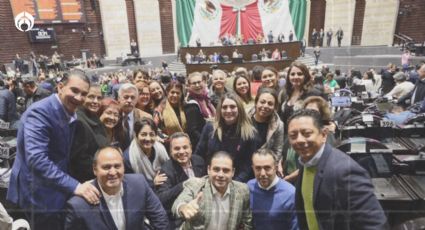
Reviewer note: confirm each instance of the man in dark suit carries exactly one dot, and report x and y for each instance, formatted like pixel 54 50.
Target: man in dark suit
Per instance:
pixel 339 35
pixel 33 93
pixel 40 183
pixel 128 95
pixel 182 166
pixel 126 199
pixel 332 191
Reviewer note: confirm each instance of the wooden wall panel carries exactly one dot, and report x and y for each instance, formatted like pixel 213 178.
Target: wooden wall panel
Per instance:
pixel 317 16
pixel 167 30
pixel 358 22
pixel 69 36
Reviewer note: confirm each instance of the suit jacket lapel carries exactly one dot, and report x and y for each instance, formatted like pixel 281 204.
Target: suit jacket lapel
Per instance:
pixel 320 170
pixel 127 204
pixel 103 208
pixel 233 206
pixel 207 201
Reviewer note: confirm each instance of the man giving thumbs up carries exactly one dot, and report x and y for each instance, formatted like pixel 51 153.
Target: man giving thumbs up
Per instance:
pixel 215 201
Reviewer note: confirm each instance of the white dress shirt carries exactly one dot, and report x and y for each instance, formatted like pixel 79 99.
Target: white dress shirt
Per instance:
pixel 115 206
pixel 220 210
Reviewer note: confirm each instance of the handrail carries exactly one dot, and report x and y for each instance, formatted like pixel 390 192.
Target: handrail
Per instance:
pixel 406 37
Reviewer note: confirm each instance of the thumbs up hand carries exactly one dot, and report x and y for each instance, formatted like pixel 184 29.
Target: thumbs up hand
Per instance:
pixel 191 209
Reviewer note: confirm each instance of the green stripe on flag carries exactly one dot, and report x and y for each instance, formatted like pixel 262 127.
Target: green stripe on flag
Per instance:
pixel 298 9
pixel 185 17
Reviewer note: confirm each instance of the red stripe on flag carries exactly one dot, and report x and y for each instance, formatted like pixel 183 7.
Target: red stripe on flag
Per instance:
pixel 251 22
pixel 228 21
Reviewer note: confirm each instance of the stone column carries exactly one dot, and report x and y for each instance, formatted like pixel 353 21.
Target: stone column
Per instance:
pixel 115 28
pixel 148 24
pixel 379 22
pixel 340 13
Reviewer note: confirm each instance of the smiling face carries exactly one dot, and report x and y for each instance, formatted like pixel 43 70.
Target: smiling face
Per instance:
pixel 110 116
pixel 156 91
pixel 242 86
pixel 296 77
pixel 73 93
pixel 181 150
pixel 140 77
pixel 265 105
pixel 196 84
pixel 305 138
pixel 269 78
pixel 220 173
pixel 174 96
pixel 144 95
pixel 92 101
pixel 218 80
pixel 109 170
pixel 264 168
pixel 146 138
pixel 229 111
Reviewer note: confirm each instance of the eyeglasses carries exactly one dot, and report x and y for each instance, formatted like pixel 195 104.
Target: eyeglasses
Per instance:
pixel 297 73
pixel 196 83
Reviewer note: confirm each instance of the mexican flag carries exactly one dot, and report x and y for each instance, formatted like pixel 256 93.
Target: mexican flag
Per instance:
pixel 209 20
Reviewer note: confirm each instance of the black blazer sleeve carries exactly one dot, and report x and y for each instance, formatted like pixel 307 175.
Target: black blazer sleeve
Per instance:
pixel 171 188
pixel 195 122
pixel 202 147
pixel 72 221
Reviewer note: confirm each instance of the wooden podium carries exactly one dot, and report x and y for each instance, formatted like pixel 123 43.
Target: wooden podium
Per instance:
pixel 292 51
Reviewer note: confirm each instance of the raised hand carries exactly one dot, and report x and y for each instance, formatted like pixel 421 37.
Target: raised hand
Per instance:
pixel 191 209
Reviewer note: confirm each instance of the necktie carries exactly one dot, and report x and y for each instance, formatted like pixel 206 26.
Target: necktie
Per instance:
pixel 127 125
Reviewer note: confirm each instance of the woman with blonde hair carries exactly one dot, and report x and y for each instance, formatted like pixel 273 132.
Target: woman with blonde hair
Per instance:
pixel 231 131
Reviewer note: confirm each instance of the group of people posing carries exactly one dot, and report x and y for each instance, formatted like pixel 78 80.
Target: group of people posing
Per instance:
pixel 213 152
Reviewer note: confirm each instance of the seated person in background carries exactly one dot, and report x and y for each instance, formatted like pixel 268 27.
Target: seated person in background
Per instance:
pixel 398 114
pixel 235 54
pixel 402 87
pixel 368 81
pixel 276 55
pixel 182 166
pixel 125 202
pixel 418 93
pixel 272 199
pixel 188 58
pixel 284 54
pixel 215 201
pixel 330 84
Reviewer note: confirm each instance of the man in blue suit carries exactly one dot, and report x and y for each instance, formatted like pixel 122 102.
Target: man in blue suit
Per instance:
pixel 126 199
pixel 40 183
pixel 333 192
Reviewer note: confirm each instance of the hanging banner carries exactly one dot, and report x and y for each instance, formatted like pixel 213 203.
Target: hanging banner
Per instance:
pixel 39 35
